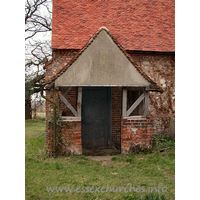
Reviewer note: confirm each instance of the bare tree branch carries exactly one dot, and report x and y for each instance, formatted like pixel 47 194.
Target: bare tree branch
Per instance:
pixel 30 36
pixel 37 21
pixel 31 9
pixel 38 52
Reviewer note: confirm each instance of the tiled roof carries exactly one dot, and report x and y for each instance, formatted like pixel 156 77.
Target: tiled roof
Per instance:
pixel 147 25
pixel 152 87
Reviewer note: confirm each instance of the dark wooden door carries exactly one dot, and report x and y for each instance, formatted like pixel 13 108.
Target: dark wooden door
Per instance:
pixel 96 117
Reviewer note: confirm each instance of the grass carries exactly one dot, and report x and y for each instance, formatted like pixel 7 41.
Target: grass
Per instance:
pixel 142 171
pixel 39 116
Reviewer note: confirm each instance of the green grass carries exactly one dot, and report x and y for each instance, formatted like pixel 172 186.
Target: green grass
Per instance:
pixel 142 171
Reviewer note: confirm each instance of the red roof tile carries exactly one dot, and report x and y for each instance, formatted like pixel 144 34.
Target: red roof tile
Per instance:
pixel 147 25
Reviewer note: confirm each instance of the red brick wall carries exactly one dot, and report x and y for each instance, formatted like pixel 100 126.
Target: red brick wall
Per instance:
pixel 71 131
pixel 49 139
pixel 136 132
pixel 116 115
pixel 68 137
pixel 53 95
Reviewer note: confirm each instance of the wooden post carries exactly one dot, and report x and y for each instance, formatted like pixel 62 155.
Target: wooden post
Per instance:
pixel 79 101
pixel 124 102
pixel 59 108
pixel 146 103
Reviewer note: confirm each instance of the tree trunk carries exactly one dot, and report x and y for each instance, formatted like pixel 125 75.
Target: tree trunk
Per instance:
pixel 28 110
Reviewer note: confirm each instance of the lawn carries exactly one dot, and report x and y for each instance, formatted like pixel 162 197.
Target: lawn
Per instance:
pixel 128 176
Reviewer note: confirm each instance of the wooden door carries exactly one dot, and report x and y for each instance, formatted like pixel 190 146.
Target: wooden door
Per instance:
pixel 96 117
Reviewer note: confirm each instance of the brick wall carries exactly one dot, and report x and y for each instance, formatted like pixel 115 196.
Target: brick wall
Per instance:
pixel 49 139
pixel 116 115
pixel 160 67
pixel 49 136
pixel 71 132
pixel 68 138
pixel 136 132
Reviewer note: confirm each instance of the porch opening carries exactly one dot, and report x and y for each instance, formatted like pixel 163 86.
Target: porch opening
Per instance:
pixel 96 119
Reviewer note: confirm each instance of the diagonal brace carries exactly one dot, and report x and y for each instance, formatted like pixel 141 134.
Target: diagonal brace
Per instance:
pixel 68 105
pixel 137 102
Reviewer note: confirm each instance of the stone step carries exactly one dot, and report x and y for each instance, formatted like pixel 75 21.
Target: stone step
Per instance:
pixel 100 151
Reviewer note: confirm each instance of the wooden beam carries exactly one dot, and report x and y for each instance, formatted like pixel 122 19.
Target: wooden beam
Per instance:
pixel 141 86
pixel 67 91
pixel 49 86
pixel 134 117
pixel 124 102
pixel 65 118
pixel 79 101
pixel 68 105
pixel 59 109
pixel 137 102
pixel 135 88
pixel 146 103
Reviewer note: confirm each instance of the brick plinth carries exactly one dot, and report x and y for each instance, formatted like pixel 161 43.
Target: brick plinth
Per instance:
pixel 71 131
pixel 136 132
pixel 68 138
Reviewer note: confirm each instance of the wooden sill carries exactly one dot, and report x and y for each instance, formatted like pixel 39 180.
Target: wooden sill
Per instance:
pixel 70 118
pixel 135 117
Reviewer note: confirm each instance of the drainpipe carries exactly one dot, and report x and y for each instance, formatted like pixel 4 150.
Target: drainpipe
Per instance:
pixel 54 117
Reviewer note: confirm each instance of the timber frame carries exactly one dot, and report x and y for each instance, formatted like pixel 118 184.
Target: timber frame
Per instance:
pixel 125 112
pixel 76 112
pixel 144 96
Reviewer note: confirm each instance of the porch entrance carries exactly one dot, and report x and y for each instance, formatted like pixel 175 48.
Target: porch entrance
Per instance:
pixel 96 119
